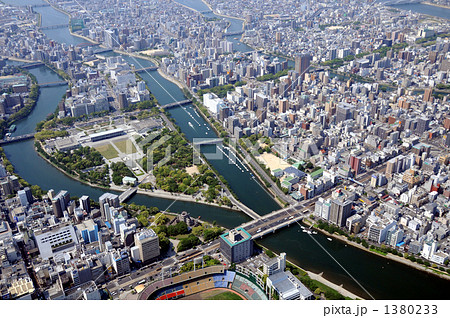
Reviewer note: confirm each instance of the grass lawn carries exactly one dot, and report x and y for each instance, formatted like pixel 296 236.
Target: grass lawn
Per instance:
pixel 225 296
pixel 181 236
pixel 107 151
pixel 377 251
pixel 122 145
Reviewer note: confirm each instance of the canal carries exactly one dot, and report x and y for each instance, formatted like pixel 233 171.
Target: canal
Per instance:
pixel 382 278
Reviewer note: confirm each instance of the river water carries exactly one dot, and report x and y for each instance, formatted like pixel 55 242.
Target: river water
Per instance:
pixel 425 9
pixel 382 278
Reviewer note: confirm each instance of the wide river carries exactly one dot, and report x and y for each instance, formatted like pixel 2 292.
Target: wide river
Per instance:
pixel 382 278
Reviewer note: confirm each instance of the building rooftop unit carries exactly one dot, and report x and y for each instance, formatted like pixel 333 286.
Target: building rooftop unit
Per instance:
pixel 236 236
pixel 66 144
pixel 145 234
pixel 289 287
pixel 107 134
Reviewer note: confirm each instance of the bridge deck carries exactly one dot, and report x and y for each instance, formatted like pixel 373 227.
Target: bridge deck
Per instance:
pixel 179 103
pixel 128 193
pixel 269 223
pixel 16 138
pixel 150 68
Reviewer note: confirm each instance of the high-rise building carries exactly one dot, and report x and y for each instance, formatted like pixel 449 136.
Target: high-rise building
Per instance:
pixel 123 101
pixel 422 125
pixel 85 203
pixel 56 206
pixel 148 243
pixel 237 245
pixel 25 196
pixel 283 105
pixel 111 39
pixel 111 199
pixel 88 230
pixel 427 95
pixel 343 112
pixel 120 262
pixel 355 163
pixel 302 62
pixel 339 212
pixel 391 167
pixel 278 37
pixel 60 202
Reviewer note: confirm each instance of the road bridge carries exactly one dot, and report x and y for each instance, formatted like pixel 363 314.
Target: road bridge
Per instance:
pixel 54 27
pixel 234 33
pixel 208 141
pixel 31 65
pixel 276 220
pixel 176 104
pixel 32 6
pixel 99 51
pixel 149 68
pixel 127 194
pixel 16 139
pixel 51 84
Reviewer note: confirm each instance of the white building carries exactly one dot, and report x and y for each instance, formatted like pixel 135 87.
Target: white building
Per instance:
pixel 55 240
pixel 212 102
pixel 288 286
pixel 148 243
pixel 429 248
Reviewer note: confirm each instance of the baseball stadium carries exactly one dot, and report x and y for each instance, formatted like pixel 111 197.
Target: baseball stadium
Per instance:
pixel 214 282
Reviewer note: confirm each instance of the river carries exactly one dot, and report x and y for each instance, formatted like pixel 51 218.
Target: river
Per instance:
pixel 384 279
pixel 425 9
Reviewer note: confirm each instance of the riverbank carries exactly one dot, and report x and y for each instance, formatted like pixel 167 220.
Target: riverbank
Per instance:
pixel 179 197
pixel 170 78
pixel 387 256
pixel 338 288
pixel 157 193
pixel 435 5
pixel 223 15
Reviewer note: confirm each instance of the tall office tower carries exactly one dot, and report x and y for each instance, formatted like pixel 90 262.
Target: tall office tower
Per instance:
pixel 60 203
pixel 355 163
pixel 278 37
pixel 339 212
pixel 342 113
pixel 148 243
pixel 25 196
pixel 111 39
pixel 283 105
pixel 111 199
pixel 22 197
pixel 85 203
pixel 427 95
pixel 123 101
pixel 422 125
pixel 301 64
pixel 120 262
pixel 391 167
pixel 56 205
